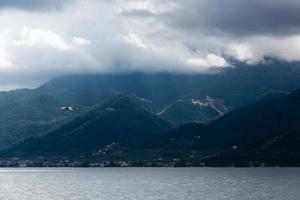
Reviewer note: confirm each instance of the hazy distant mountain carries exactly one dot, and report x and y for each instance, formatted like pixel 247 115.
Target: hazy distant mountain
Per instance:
pixel 237 86
pixel 118 120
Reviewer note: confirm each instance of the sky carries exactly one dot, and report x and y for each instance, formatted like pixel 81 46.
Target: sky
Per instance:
pixel 40 39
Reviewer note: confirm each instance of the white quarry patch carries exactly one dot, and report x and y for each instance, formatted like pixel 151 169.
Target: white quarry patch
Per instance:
pixel 199 103
pixel 218 105
pixel 235 147
pixel 109 109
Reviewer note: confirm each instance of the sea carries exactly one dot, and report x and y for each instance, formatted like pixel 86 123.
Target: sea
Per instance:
pixel 150 183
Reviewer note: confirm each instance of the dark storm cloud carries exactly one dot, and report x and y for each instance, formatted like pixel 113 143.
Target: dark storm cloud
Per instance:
pixel 238 17
pixel 34 5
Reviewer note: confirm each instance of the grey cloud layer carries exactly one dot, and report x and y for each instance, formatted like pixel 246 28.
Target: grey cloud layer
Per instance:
pixel 238 17
pixel 234 16
pixel 183 36
pixel 34 5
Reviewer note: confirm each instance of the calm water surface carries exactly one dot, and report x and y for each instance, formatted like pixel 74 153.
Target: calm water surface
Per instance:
pixel 150 184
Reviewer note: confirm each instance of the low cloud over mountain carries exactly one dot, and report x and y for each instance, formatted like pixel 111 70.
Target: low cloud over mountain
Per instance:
pixel 41 39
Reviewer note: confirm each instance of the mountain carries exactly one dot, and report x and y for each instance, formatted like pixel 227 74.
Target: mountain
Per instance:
pixel 118 120
pixel 264 133
pixel 268 135
pixel 26 113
